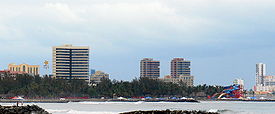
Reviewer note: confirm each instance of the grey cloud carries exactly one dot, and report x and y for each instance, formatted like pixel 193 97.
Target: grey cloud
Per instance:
pixel 197 28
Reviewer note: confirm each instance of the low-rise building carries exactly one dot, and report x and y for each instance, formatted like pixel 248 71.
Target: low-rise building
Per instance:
pixel 29 69
pixel 268 85
pixel 269 80
pixel 8 73
pixel 188 80
pixel 92 71
pixel 98 75
pixel 239 82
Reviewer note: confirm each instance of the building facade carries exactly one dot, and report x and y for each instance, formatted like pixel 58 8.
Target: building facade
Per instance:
pixel 239 82
pixel 260 73
pixel 8 73
pixel 180 67
pixel 98 75
pixel 71 62
pixel 29 69
pixel 269 81
pixel 188 80
pixel 92 71
pixel 149 68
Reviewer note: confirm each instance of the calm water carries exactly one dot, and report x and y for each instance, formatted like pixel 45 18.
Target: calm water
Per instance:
pixel 237 107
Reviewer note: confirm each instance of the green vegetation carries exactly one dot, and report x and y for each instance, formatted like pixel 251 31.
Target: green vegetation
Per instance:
pixel 45 87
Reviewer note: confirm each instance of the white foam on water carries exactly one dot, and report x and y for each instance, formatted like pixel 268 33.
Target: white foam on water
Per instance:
pixel 86 112
pixel 139 102
pixel 90 102
pixel 87 102
pixel 70 111
pixel 56 111
pixel 213 110
pixel 92 107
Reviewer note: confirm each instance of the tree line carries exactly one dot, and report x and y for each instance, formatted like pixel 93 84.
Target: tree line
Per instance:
pixel 46 87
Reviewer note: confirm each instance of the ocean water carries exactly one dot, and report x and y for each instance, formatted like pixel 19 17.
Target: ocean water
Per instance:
pixel 224 107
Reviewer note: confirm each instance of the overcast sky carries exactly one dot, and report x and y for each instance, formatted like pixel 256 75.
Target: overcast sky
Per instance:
pixel 224 39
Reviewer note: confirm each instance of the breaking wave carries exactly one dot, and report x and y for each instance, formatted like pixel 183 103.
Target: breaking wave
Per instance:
pixel 70 111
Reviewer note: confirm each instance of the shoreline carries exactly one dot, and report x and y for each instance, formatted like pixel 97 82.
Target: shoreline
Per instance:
pixel 122 100
pixel 169 112
pixel 87 100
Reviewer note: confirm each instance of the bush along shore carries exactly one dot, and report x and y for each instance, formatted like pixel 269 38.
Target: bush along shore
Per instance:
pixel 36 87
pixel 33 109
pixel 170 112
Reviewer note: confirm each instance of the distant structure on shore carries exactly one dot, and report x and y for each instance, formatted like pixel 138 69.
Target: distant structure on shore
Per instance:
pixel 24 68
pixel 4 73
pixel 235 91
pixel 180 67
pixel 180 72
pixel 149 68
pixel 264 83
pixel 188 80
pixel 92 71
pixel 98 76
pixel 260 73
pixel 71 62
pixel 239 82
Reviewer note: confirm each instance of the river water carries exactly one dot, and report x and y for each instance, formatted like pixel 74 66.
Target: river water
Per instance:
pixel 225 107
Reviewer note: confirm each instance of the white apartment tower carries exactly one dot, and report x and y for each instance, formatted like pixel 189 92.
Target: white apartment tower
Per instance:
pixel 260 73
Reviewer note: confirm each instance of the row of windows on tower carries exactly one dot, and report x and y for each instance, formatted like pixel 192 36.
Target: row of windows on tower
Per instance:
pixel 72 52
pixel 73 65
pixel 72 57
pixel 69 49
pixel 71 60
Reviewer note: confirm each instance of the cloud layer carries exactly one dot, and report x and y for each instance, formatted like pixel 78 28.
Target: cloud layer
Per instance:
pixel 211 33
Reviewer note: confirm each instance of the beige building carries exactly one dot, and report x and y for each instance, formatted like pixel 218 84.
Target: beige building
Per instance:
pixel 269 85
pixel 149 68
pixel 179 66
pixel 98 75
pixel 71 62
pixel 188 80
pixel 29 69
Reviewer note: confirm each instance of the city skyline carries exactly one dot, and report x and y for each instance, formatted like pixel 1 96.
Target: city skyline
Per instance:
pixel 224 40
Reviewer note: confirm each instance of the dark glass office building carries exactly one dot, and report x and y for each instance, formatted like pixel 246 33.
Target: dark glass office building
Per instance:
pixel 71 62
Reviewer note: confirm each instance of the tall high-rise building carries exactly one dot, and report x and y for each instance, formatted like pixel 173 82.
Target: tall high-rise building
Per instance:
pixel 180 67
pixel 260 73
pixel 71 62
pixel 24 68
pixel 149 68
